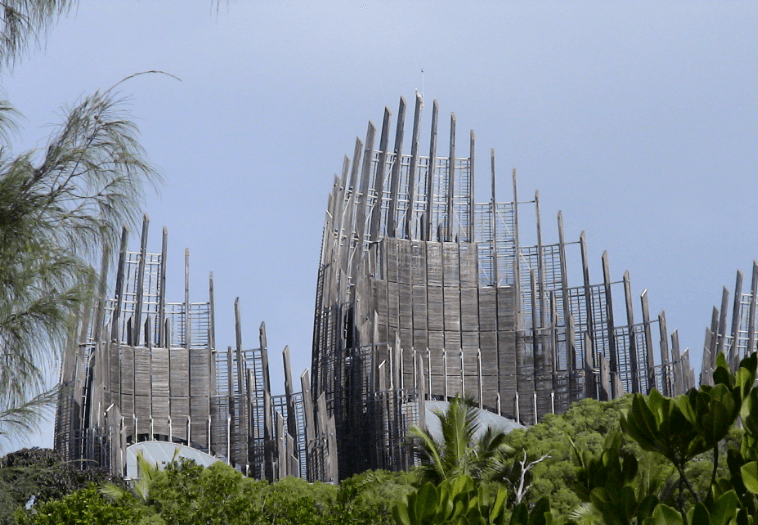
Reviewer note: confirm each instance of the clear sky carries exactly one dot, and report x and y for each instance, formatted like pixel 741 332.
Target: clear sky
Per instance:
pixel 638 119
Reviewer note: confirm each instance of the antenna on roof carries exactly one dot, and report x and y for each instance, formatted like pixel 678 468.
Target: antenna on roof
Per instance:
pixel 422 83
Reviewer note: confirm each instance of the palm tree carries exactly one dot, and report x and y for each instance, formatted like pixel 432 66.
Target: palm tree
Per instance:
pixel 459 453
pixel 59 208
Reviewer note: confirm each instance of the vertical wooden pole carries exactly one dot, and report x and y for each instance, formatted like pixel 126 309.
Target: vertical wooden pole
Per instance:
pixel 187 304
pixel 493 222
pixel 310 426
pixel 408 225
pixel 588 299
pixel 677 365
pixel 428 226
pixel 633 362
pixel 540 266
pixel 450 230
pixel 665 364
pixel 570 353
pixel 734 355
pixel 395 173
pixel 649 356
pixel 610 324
pixel 471 196
pixel 360 214
pixel 722 326
pixel 119 292
pixel 517 261
pixel 137 324
pixel 376 212
pixel 751 315
pixel 242 407
pixel 162 293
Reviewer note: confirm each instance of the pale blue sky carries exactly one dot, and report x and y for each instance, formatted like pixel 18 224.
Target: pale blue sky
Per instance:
pixel 637 119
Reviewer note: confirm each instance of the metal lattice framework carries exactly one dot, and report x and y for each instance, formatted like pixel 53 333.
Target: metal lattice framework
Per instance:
pixel 417 278
pixel 143 369
pixel 736 337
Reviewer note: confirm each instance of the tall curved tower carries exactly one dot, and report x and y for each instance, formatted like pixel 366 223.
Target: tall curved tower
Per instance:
pixel 424 293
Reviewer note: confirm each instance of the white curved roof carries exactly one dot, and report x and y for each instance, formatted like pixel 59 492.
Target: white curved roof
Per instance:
pixel 161 453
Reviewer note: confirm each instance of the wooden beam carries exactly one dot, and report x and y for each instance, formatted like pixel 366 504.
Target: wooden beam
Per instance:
pixel 136 325
pixel 408 225
pixel 428 226
pixel 376 211
pixel 395 173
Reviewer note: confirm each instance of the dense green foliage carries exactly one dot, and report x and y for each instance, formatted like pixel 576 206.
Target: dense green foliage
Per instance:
pixel 40 474
pixel 650 468
pixel 187 493
pixel 639 460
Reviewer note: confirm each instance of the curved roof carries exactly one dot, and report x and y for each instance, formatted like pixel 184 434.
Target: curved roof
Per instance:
pixel 162 453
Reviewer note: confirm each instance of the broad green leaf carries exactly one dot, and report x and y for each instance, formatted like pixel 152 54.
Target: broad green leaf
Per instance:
pixel 400 514
pixel 665 515
pixel 700 515
pixel 750 476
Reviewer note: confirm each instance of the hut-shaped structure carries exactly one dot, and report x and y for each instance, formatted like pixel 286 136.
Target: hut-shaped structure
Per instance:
pixel 141 369
pixel 425 293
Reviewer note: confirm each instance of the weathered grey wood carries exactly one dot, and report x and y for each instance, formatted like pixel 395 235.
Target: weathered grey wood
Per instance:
pixel 610 324
pixel 605 386
pixel 450 229
pixel 376 212
pixel 263 341
pixel 310 424
pixel 751 313
pixel 540 268
pixel 590 388
pixel 493 222
pixel 102 289
pixel 162 340
pixel 517 261
pixel 281 448
pixel 588 297
pixel 119 291
pixel 649 357
pixel 395 173
pixel 408 221
pixel 665 364
pixel 632 344
pixel 290 396
pixel 428 226
pixel 211 335
pixel 137 321
pixel 360 214
pixel 269 443
pixel 187 304
pixel 472 193
pixel 721 343
pixel 734 357
pixel 677 365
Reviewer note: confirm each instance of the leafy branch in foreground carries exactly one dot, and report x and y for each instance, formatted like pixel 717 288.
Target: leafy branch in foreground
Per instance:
pixel 25 21
pixel 59 208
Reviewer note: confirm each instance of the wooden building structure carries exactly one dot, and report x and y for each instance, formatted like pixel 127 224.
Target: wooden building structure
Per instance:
pixel 143 369
pixel 423 292
pixel 733 335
